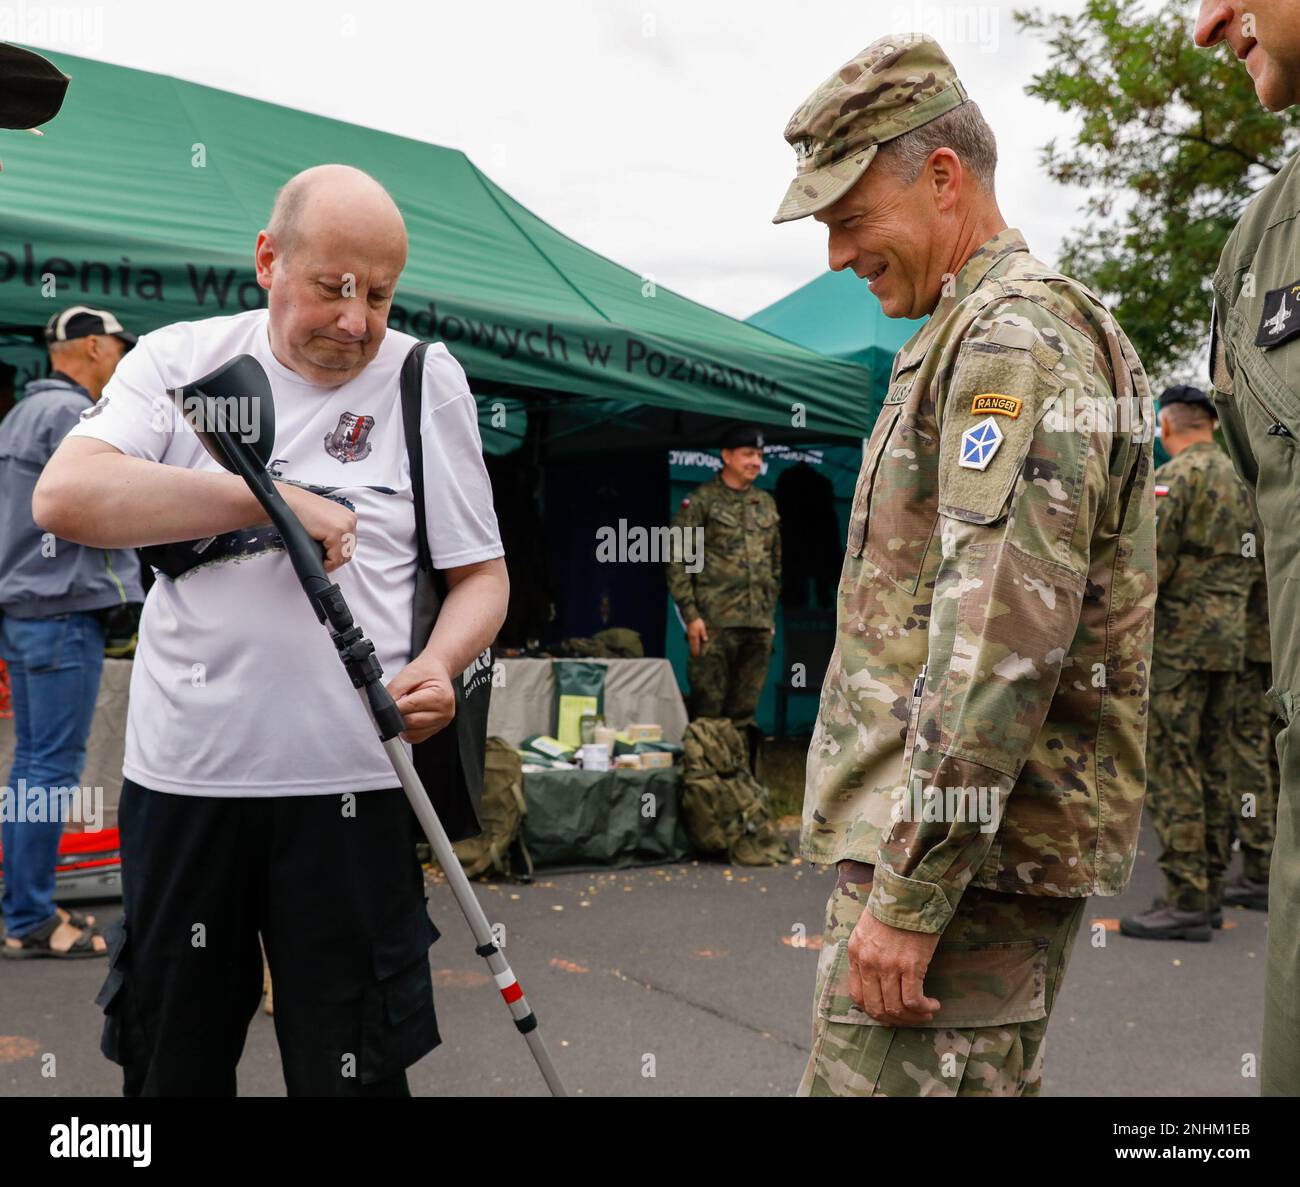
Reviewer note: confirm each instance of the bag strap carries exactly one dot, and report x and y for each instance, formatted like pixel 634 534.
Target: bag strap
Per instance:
pixel 412 405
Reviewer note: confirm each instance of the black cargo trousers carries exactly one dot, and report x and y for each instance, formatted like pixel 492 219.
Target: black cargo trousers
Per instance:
pixel 333 886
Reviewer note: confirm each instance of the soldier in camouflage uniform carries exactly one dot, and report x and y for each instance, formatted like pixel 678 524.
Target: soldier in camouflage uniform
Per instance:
pixel 729 605
pixel 1254 758
pixel 977 768
pixel 1206 559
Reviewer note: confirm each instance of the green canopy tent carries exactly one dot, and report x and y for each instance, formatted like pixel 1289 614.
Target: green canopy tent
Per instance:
pixel 837 315
pixel 146 192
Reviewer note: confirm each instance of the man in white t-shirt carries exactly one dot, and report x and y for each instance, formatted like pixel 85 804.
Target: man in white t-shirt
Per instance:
pixel 257 797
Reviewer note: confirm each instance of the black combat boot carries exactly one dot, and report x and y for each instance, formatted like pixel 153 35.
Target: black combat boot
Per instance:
pixel 1251 893
pixel 1165 922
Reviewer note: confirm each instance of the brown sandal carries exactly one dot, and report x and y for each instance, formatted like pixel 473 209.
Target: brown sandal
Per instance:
pixel 77 919
pixel 36 944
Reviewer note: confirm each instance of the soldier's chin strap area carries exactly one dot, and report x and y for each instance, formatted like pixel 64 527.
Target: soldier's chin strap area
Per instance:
pixel 205 404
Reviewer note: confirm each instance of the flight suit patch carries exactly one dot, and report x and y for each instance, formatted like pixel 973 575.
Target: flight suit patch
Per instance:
pixel 1280 320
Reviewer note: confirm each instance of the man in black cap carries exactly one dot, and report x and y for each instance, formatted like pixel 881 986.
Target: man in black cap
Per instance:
pixel 53 595
pixel 1207 558
pixel 725 578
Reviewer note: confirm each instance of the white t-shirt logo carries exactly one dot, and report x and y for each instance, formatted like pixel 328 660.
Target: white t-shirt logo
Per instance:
pixel 348 441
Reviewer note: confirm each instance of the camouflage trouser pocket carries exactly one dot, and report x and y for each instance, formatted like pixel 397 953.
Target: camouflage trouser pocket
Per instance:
pixel 976 984
pixel 996 974
pixel 986 1040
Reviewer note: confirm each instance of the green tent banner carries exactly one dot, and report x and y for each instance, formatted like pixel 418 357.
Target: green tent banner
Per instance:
pixel 146 193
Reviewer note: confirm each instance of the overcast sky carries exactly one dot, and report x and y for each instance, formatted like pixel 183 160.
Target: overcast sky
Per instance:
pixel 650 130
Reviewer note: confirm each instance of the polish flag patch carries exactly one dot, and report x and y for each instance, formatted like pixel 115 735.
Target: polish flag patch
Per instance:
pixel 1161 489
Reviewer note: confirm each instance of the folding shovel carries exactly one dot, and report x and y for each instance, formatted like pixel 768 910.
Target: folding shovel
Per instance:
pixel 209 406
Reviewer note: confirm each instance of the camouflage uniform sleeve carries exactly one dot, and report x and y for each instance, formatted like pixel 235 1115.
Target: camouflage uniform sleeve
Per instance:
pixel 1015 538
pixel 1171 518
pixel 681 583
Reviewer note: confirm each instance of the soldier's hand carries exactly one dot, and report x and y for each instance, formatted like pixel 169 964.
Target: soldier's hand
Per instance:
pixel 697 634
pixel 887 968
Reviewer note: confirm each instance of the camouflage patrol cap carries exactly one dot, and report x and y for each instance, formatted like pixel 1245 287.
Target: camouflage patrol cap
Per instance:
pixel 894 85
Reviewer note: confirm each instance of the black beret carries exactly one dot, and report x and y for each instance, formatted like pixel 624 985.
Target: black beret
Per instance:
pixel 1182 393
pixel 742 436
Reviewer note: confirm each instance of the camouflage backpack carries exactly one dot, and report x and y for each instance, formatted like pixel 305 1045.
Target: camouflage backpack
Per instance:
pixel 502 813
pixel 725 808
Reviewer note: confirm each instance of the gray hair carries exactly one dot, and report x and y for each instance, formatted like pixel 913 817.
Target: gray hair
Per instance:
pixel 963 129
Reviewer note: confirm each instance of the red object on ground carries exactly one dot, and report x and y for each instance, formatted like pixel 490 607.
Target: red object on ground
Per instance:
pixel 80 853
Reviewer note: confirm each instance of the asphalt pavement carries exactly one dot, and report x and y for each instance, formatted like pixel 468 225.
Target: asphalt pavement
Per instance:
pixel 683 980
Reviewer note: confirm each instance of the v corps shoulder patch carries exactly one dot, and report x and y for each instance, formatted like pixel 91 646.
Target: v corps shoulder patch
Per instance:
pixel 993 402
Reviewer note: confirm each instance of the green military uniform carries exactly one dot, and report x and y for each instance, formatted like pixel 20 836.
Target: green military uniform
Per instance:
pixel 993 642
pixel 1254 804
pixel 1255 362
pixel 1204 543
pixel 734 592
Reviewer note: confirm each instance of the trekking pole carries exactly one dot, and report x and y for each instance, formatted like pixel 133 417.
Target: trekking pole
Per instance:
pixel 241 383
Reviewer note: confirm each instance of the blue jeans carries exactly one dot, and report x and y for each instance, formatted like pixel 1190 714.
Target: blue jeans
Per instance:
pixel 54 669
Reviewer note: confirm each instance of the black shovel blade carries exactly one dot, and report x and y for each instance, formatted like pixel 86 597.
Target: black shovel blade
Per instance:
pixel 232 412
pixel 31 88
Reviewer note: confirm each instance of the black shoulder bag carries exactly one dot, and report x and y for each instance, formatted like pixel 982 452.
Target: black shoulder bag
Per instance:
pixel 450 764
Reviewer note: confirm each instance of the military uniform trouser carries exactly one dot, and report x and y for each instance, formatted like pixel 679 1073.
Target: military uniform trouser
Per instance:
pixel 996 972
pixel 1280 1064
pixel 1191 781
pixel 1254 808
pixel 333 886
pixel 727 676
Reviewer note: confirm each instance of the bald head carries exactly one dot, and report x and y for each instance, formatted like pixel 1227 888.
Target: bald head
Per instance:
pixel 316 200
pixel 330 259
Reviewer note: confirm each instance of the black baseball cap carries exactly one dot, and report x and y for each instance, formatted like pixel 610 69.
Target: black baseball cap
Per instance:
pixel 31 88
pixel 81 321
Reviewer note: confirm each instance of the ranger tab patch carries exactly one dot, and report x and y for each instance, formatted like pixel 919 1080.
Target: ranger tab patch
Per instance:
pixel 1280 320
pixel 992 402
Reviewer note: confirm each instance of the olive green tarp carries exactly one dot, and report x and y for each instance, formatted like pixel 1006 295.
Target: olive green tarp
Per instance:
pixel 146 193
pixel 580 819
